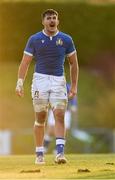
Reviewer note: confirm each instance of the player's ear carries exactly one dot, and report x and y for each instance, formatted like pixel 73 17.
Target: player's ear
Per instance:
pixel 58 22
pixel 43 22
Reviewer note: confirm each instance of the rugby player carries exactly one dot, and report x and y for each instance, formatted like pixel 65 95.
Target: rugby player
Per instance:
pixel 49 47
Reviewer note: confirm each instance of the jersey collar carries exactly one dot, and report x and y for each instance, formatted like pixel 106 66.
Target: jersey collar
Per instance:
pixel 48 35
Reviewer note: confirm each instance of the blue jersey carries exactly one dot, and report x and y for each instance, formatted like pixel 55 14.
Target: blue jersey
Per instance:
pixel 50 52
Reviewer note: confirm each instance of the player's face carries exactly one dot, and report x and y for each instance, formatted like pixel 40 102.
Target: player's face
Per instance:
pixel 50 23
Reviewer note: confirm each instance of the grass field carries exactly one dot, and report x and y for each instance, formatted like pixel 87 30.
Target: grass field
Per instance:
pixel 101 166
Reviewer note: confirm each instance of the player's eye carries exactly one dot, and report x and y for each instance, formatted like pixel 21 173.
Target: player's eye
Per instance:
pixel 54 17
pixel 48 18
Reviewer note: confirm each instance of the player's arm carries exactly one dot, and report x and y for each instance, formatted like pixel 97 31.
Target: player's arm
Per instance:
pixel 22 72
pixel 74 71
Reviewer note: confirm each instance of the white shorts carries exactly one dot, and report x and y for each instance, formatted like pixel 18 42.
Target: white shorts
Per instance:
pixel 67 119
pixel 49 88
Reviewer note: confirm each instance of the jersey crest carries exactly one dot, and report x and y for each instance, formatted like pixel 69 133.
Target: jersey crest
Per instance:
pixel 59 42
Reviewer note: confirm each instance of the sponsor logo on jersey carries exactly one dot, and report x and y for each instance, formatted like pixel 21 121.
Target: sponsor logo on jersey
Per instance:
pixel 43 40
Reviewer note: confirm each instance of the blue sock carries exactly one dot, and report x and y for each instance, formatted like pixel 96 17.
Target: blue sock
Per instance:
pixel 60 142
pixel 39 153
pixel 60 149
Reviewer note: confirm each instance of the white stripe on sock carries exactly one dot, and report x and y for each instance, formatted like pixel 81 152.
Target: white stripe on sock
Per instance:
pixel 40 149
pixel 60 141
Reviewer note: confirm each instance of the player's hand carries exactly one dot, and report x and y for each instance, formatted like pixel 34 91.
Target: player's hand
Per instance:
pixel 72 93
pixel 19 88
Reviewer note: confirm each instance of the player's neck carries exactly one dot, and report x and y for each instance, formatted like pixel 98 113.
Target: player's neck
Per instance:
pixel 50 33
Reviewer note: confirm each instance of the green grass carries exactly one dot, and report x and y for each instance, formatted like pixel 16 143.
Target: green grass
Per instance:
pixel 22 167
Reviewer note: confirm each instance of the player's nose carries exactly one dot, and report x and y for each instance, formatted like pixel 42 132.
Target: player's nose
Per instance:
pixel 52 21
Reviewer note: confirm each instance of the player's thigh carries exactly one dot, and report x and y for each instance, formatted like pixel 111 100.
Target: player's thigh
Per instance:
pixel 40 93
pixel 40 86
pixel 58 88
pixel 58 96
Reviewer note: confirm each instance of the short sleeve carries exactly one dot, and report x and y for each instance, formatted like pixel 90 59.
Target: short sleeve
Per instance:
pixel 29 49
pixel 70 47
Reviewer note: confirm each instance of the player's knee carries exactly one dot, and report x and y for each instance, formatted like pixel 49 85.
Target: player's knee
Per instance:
pixel 59 108
pixel 39 123
pixel 41 115
pixel 40 118
pixel 59 114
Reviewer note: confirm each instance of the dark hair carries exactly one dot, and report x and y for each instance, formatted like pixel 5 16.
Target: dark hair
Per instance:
pixel 49 12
